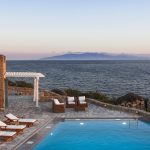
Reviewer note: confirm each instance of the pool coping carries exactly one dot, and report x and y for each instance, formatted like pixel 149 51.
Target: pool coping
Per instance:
pixel 41 132
pixel 34 136
pixel 31 135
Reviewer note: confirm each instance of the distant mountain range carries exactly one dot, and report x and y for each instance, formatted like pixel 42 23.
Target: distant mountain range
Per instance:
pixel 97 56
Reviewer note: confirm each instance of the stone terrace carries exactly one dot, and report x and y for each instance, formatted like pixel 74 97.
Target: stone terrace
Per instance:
pixel 24 106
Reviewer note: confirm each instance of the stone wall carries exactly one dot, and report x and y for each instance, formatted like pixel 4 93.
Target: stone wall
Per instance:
pixel 43 95
pixel 48 95
pixel 120 108
pixel 13 90
pixel 2 81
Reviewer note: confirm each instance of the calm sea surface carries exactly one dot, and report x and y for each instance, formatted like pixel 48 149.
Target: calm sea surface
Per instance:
pixel 114 78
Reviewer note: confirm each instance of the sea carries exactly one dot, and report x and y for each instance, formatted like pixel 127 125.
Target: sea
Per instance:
pixel 111 77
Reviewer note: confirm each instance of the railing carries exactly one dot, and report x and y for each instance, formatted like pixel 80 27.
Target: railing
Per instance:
pixel 133 123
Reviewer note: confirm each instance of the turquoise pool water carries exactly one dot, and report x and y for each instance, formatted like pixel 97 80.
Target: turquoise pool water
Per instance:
pixel 97 135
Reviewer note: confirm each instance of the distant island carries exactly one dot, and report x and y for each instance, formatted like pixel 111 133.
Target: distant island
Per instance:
pixel 96 56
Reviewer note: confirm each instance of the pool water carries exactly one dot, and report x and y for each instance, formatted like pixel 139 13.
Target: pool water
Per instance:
pixel 97 135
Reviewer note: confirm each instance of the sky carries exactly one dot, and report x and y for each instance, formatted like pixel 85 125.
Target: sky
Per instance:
pixel 31 29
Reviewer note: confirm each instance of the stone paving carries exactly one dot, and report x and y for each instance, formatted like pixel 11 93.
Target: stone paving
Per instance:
pixel 24 106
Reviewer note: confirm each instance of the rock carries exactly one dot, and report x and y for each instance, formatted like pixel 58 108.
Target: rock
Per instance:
pixel 131 100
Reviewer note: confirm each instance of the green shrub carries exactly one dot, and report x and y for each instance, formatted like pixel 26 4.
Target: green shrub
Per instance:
pixel 11 83
pixel 60 92
pixel 23 84
pixel 98 96
pixel 93 95
pixel 20 84
pixel 71 92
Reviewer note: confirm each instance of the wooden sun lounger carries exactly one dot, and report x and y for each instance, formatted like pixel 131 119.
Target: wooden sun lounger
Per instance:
pixel 27 122
pixel 7 135
pixel 17 128
pixel 22 121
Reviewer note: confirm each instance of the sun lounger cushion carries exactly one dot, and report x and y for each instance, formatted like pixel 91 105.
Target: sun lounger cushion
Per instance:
pixel 57 102
pixel 81 98
pixel 15 126
pixel 2 124
pixel 82 102
pixel 70 99
pixel 27 120
pixel 12 117
pixel 71 102
pixel 7 133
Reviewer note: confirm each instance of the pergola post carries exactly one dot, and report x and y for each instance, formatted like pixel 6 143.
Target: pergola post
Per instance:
pixel 34 90
pixel 37 91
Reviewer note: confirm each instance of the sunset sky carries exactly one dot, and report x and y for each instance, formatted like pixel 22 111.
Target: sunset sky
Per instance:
pixel 31 29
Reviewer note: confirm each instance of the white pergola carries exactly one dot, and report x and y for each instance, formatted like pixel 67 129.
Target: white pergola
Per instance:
pixel 34 75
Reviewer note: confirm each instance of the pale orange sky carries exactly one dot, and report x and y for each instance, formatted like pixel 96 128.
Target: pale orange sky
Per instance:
pixel 33 28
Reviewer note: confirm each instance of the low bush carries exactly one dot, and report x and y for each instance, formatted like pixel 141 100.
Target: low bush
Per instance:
pixel 20 84
pixel 93 95
pixel 60 92
pixel 72 92
pixel 11 83
pixel 23 84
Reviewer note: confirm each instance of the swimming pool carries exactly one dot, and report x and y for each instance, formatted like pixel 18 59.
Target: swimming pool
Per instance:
pixel 97 135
